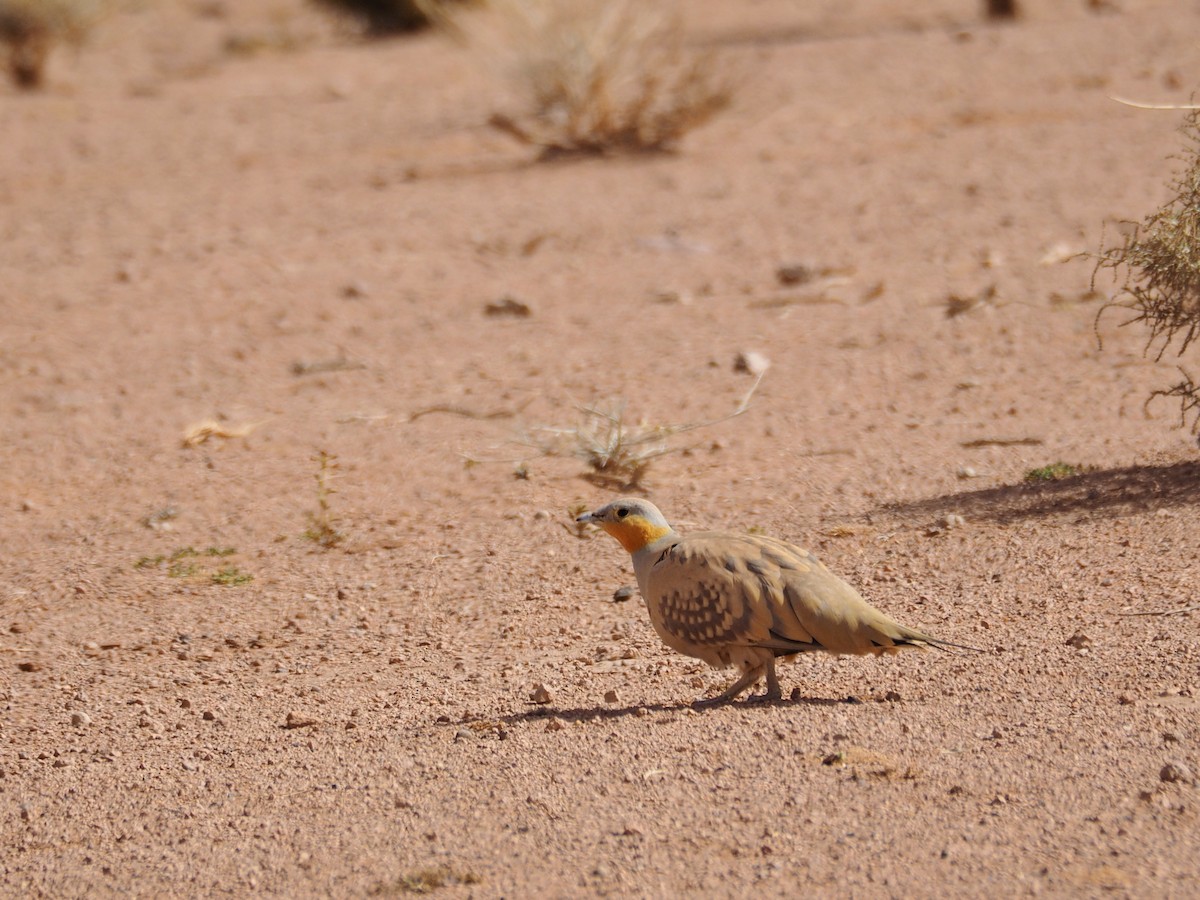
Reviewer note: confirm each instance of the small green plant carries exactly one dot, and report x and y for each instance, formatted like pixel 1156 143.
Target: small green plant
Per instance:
pixel 599 76
pixel 1054 472
pixel 1158 267
pixel 187 562
pixel 231 575
pixel 322 523
pixel 30 28
pixel 581 530
pixel 425 881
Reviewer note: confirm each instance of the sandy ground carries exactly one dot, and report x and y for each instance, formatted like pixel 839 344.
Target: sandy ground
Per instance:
pixel 237 214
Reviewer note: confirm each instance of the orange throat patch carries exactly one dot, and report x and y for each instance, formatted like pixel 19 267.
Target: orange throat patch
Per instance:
pixel 635 532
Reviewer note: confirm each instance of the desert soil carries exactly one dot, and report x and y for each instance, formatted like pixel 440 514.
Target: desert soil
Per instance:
pixel 241 215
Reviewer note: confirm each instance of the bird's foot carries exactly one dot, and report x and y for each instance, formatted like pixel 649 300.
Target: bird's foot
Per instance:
pixel 765 697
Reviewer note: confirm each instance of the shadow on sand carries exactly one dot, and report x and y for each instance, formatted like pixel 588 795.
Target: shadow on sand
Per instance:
pixel 1127 491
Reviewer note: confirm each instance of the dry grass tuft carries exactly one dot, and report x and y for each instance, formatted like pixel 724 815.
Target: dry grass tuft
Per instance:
pixel 30 28
pixel 616 452
pixel 598 76
pixel 1158 267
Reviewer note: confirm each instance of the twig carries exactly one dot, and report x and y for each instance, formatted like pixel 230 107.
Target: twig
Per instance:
pixel 1002 442
pixel 452 410
pixel 1136 105
pixel 1163 612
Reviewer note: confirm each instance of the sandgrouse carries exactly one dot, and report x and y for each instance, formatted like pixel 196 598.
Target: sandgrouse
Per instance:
pixel 744 599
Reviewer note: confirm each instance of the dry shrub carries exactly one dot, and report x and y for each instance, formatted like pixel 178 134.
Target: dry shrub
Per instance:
pixel 31 28
pixel 599 76
pixel 1158 268
pixel 618 452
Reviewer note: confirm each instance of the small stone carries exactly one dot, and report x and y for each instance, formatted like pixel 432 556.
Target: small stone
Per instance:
pixel 965 472
pixel 1079 640
pixel 29 666
pixel 952 520
pixel 623 593
pixel 18 628
pixel 80 719
pixel 298 720
pixel 554 725
pixel 61 763
pixel 752 362
pixel 540 694
pixel 1176 771
pixel 463 734
pixel 208 715
pixel 508 306
pixel 190 765
pixel 794 274
pixel 892 697
pixel 610 696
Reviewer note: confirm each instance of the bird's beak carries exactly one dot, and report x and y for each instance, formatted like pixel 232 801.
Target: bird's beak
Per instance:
pixel 586 517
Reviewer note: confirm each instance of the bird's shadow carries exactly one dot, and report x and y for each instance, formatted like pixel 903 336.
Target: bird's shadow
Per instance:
pixel 614 713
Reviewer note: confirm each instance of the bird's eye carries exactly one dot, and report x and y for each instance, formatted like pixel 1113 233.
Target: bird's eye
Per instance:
pixel 622 512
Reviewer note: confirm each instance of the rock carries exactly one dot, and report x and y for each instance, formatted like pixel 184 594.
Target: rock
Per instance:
pixel 623 593
pixel 1079 640
pixel 540 694
pixel 554 725
pixel 299 720
pixel 1176 772
pixel 610 696
pixel 794 274
pixel 508 306
pixel 80 719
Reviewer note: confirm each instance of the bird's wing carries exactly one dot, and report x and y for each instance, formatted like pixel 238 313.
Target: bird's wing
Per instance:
pixel 818 605
pixel 700 601
pixel 715 588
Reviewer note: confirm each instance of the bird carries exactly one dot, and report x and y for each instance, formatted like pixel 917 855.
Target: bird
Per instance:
pixel 743 600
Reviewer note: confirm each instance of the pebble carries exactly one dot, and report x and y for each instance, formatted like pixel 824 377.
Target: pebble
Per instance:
pixel 794 274
pixel 623 593
pixel 540 694
pixel 80 719
pixel 1176 771
pixel 508 305
pixel 298 720
pixel 554 725
pixel 610 696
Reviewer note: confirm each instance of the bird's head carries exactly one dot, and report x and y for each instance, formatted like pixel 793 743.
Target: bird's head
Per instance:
pixel 634 522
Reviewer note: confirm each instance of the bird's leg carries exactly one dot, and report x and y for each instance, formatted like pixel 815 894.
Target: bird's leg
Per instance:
pixel 736 688
pixel 773 692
